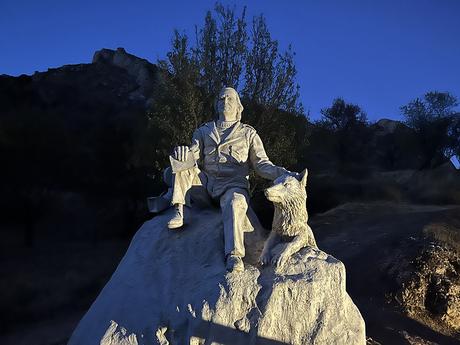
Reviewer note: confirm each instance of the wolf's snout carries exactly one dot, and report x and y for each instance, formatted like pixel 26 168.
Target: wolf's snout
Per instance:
pixel 271 194
pixel 267 192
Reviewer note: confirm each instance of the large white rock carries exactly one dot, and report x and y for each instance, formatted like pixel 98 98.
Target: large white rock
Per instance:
pixel 172 288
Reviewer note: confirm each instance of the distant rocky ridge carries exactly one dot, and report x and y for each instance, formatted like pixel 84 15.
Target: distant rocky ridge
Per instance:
pixel 114 79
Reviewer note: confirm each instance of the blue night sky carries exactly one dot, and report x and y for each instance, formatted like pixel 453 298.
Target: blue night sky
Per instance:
pixel 377 54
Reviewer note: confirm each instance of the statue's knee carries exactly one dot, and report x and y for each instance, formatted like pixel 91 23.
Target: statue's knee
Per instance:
pixel 238 201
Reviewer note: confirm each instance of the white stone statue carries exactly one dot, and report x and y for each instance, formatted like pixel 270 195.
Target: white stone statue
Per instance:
pixel 303 302
pixel 290 226
pixel 218 162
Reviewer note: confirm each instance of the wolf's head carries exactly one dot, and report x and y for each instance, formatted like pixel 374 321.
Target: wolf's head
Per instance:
pixel 289 198
pixel 287 189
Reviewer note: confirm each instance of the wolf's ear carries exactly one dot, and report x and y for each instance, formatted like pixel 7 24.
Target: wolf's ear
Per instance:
pixel 303 176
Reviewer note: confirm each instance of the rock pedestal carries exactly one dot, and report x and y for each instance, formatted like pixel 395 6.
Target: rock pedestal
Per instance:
pixel 172 288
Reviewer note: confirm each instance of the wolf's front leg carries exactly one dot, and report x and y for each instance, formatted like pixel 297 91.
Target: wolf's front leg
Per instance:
pixel 291 248
pixel 265 256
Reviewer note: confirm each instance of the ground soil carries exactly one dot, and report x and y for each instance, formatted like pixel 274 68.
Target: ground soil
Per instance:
pixel 369 238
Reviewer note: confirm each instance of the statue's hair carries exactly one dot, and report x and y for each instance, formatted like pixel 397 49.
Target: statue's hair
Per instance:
pixel 240 107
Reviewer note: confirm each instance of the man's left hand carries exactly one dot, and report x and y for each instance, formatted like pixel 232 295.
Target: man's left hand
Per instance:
pixel 294 174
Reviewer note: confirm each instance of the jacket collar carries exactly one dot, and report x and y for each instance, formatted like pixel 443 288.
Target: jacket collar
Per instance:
pixel 235 129
pixel 214 134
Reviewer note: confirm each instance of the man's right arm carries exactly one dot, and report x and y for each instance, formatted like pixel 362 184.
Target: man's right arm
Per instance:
pixel 260 162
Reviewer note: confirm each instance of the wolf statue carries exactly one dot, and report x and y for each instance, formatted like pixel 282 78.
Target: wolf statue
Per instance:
pixel 289 197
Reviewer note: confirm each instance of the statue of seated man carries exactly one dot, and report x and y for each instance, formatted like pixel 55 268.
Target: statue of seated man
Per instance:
pixel 218 163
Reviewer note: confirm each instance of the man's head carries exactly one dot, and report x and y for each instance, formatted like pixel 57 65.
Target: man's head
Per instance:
pixel 228 105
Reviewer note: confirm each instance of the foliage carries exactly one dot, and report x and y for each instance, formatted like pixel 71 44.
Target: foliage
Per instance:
pixel 221 49
pixel 436 123
pixel 179 105
pixel 226 54
pixel 346 126
pixel 342 116
pixel 270 76
pixel 251 62
pixel 285 137
pixel 434 106
pixel 454 135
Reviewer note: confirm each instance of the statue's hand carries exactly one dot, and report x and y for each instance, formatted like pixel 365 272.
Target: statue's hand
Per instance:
pixel 294 174
pixel 279 260
pixel 181 153
pixel 264 258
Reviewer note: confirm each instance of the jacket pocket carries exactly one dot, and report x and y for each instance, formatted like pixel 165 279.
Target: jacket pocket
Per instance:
pixel 238 153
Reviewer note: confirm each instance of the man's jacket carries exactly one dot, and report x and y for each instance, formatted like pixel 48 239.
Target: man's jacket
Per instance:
pixel 226 163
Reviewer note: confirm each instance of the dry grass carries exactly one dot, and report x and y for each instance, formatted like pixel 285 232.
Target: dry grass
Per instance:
pixel 445 233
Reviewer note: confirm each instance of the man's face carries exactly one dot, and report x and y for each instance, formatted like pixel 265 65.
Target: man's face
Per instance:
pixel 227 105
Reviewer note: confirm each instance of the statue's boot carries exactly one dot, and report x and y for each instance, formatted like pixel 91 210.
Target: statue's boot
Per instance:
pixel 234 264
pixel 178 218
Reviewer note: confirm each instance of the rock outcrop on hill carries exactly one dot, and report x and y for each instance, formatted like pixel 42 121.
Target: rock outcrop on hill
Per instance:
pixel 172 288
pixel 115 79
pixel 144 72
pixel 386 126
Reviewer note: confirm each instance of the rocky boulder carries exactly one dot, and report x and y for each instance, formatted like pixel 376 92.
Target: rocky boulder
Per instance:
pixel 144 72
pixel 386 126
pixel 171 287
pixel 430 292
